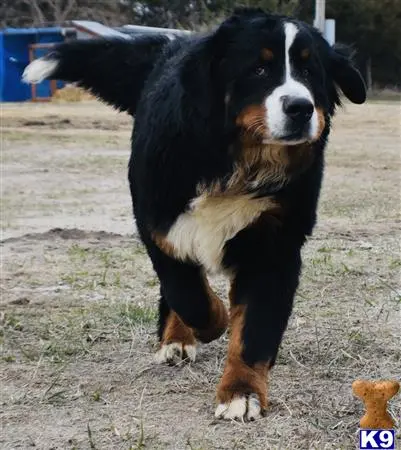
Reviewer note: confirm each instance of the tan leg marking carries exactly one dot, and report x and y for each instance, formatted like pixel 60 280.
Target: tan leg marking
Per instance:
pixel 242 391
pixel 178 342
pixel 218 315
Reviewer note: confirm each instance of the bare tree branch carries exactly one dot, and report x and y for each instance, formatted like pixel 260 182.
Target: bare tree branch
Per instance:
pixel 60 9
pixel 37 13
pixel 67 10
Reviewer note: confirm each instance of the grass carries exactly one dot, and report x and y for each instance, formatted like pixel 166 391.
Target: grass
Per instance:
pixel 109 265
pixel 51 137
pixel 57 336
pixel 384 95
pixel 63 332
pixel 71 334
pixel 79 307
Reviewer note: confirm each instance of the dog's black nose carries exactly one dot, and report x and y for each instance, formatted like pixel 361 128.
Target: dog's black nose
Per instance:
pixel 299 109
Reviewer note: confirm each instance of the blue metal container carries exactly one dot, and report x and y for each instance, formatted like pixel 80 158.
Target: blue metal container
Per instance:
pixel 18 46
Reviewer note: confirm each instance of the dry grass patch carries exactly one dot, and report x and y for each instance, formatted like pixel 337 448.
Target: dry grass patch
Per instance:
pixel 78 304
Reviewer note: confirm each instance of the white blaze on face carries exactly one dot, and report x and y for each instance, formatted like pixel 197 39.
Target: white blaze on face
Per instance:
pixel 276 119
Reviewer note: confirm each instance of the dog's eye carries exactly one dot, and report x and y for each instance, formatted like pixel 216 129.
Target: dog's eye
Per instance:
pixel 260 71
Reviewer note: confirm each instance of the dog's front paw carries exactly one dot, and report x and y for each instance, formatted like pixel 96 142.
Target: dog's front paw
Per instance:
pixel 242 391
pixel 240 408
pixel 175 352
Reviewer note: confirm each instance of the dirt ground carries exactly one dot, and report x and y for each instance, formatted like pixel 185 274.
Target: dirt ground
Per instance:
pixel 78 296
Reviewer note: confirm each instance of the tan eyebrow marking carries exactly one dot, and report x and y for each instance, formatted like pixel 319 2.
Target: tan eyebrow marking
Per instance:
pixel 305 53
pixel 267 54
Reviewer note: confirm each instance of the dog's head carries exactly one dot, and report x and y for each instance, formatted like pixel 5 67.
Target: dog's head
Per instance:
pixel 273 76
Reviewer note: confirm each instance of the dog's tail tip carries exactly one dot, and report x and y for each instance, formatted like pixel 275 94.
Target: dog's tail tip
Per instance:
pixel 39 70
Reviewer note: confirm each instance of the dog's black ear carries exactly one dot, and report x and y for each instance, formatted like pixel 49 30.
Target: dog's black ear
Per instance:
pixel 346 75
pixel 196 77
pixel 200 72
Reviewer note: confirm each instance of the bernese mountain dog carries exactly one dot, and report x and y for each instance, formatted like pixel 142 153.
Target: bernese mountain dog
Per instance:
pixel 225 172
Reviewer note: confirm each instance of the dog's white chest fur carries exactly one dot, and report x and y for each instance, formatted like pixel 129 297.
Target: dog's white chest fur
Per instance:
pixel 201 233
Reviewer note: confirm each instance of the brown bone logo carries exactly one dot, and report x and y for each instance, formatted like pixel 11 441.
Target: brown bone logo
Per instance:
pixel 375 395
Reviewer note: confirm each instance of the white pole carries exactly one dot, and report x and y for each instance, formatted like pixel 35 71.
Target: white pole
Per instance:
pixel 320 15
pixel 330 31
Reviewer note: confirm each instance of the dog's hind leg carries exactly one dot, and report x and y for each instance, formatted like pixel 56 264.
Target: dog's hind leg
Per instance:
pixel 177 340
pixel 189 309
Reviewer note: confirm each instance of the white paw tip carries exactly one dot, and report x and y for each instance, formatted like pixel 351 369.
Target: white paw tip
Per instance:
pixel 38 70
pixel 190 352
pixel 221 408
pixel 254 409
pixel 240 408
pixel 175 352
pixel 236 409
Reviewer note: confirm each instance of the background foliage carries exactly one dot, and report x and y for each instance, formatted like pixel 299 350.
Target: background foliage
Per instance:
pixel 372 26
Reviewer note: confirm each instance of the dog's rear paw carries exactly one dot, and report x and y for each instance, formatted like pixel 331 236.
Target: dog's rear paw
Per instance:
pixel 240 408
pixel 175 352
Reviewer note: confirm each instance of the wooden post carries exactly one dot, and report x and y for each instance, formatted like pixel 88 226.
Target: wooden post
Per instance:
pixel 53 83
pixel 33 85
